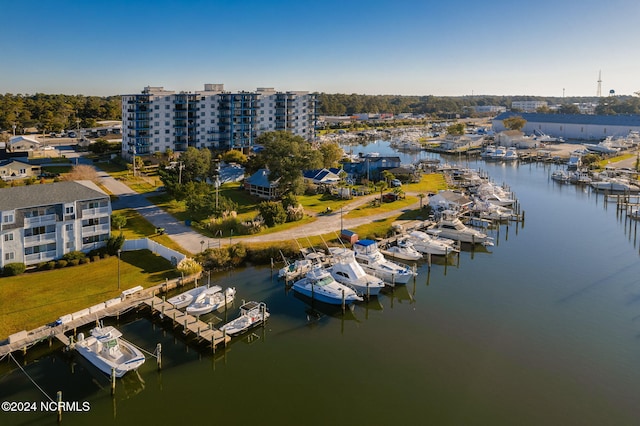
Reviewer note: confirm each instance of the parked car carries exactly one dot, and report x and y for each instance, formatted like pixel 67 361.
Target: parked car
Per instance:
pixel 396 183
pixel 72 134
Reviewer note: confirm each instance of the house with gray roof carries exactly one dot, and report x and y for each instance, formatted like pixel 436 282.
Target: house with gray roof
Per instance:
pixel 260 185
pixel 573 126
pixel 39 223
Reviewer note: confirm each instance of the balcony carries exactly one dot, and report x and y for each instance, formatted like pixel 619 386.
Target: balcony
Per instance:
pixel 38 220
pixel 42 238
pixel 90 230
pixel 98 211
pixel 44 256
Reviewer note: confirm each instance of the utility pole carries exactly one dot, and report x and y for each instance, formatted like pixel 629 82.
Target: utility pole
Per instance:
pixel 180 167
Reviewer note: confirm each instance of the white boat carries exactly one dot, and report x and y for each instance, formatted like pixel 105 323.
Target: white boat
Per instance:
pixel 604 147
pixel 320 285
pixel 450 226
pixel 499 153
pixel 105 349
pixel 511 154
pixel 374 263
pixel 614 184
pixel 346 270
pixel 183 300
pixel 429 244
pixel 211 300
pixel 495 194
pixel 251 315
pixel 301 266
pixel 488 152
pixel 560 176
pixel 402 250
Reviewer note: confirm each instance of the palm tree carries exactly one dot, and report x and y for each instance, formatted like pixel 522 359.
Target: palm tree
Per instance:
pixel 421 196
pixel 382 185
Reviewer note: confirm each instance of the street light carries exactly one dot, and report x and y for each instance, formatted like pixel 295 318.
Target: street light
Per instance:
pixel 202 245
pixel 119 251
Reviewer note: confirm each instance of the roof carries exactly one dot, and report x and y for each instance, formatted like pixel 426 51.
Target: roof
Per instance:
pixel 19 197
pixel 11 161
pixel 365 243
pixel 605 120
pixel 17 139
pixel 261 178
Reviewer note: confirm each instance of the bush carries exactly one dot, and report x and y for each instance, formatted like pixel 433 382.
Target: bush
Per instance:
pixel 12 269
pixel 272 212
pixel 74 262
pixel 84 260
pixel 61 263
pixel 51 265
pixel 74 255
pixel 95 257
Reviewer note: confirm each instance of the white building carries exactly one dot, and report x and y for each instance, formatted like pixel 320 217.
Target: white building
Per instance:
pixel 528 106
pixel 156 119
pixel 39 223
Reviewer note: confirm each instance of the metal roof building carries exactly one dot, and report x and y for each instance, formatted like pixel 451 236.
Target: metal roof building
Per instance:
pixel 573 126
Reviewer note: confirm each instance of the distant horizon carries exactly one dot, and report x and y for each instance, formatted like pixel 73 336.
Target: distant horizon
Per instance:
pixel 406 48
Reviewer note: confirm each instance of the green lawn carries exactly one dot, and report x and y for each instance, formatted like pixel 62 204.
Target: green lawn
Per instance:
pixel 368 210
pixel 432 182
pixel 139 227
pixel 318 203
pixel 34 299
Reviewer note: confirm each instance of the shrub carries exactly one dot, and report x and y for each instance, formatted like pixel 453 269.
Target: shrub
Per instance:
pixel 51 265
pixel 74 262
pixel 61 263
pixel 272 212
pixel 12 269
pixel 74 255
pixel 84 260
pixel 95 257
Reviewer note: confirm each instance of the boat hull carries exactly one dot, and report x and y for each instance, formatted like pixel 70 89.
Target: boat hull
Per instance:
pixel 321 296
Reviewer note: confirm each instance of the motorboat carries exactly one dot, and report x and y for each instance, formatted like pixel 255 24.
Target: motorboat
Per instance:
pixel 184 299
pixel 320 285
pixel 560 176
pixel 105 349
pixel 495 194
pixel 429 244
pixel 301 266
pixel 450 226
pixel 251 314
pixel 374 263
pixel 511 154
pixel 211 300
pixel 604 147
pixel 499 153
pixel 402 250
pixel 615 185
pixel 488 152
pixel 346 270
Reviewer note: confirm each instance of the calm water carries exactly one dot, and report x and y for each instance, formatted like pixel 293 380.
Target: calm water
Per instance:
pixel 542 328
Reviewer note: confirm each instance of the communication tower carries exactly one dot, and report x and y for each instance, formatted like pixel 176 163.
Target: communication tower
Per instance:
pixel 599 83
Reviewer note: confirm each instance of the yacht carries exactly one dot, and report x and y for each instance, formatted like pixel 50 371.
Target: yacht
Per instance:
pixel 511 154
pixel 450 226
pixel 499 153
pixel 429 244
pixel 105 349
pixel 320 285
pixel 373 262
pixel 211 300
pixel 346 270
pixel 402 250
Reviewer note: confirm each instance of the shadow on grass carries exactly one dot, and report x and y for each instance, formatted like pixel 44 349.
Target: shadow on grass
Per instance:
pixel 158 267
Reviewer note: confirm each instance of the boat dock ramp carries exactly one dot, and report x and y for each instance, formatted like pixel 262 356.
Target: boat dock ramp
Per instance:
pixel 134 298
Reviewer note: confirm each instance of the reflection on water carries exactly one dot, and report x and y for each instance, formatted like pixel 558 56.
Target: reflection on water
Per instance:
pixel 542 328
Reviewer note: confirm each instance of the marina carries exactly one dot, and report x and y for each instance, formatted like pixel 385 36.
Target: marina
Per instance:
pixel 543 322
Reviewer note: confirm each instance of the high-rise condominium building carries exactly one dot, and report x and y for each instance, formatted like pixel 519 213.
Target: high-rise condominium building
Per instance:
pixel 156 119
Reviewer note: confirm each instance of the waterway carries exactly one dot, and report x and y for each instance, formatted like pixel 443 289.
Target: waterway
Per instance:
pixel 542 328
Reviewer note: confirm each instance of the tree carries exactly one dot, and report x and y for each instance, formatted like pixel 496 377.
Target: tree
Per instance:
pixel 272 212
pixel 569 109
pixel 286 156
pixel 100 146
pixel 82 172
pixel 382 185
pixel 331 154
pixel 514 122
pixel 457 129
pixel 387 176
pixel 234 156
pixel 196 164
pixel 421 196
pixel 119 221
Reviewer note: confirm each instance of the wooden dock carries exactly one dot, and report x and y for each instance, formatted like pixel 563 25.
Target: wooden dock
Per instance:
pixel 130 299
pixel 190 324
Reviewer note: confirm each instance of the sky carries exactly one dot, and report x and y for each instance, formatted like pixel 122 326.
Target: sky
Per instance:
pixel 399 47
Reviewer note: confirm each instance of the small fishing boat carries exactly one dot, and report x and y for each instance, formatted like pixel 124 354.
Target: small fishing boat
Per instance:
pixel 450 226
pixel 183 300
pixel 251 315
pixel 346 270
pixel 429 244
pixel 373 262
pixel 211 300
pixel 105 349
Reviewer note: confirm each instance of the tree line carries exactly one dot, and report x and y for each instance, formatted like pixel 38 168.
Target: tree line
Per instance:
pixel 54 113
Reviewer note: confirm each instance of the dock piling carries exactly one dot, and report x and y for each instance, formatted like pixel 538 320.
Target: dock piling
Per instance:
pixel 159 355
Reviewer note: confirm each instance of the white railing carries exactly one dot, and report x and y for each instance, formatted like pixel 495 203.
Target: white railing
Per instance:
pixel 98 211
pixel 50 237
pixel 39 219
pixel 40 257
pixel 95 229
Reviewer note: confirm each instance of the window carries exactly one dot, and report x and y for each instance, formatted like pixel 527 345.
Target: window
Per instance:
pixel 8 256
pixel 8 237
pixel 68 227
pixel 8 218
pixel 68 210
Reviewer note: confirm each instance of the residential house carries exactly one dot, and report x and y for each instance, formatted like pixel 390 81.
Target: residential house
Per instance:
pixel 322 176
pixel 14 169
pixel 39 223
pixel 258 184
pixel 449 200
pixel 370 167
pixel 23 143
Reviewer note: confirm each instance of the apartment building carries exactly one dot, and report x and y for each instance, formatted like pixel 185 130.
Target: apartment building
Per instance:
pixel 528 106
pixel 39 223
pixel 156 119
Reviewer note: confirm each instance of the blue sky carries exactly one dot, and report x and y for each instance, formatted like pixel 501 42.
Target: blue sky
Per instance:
pixel 401 47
